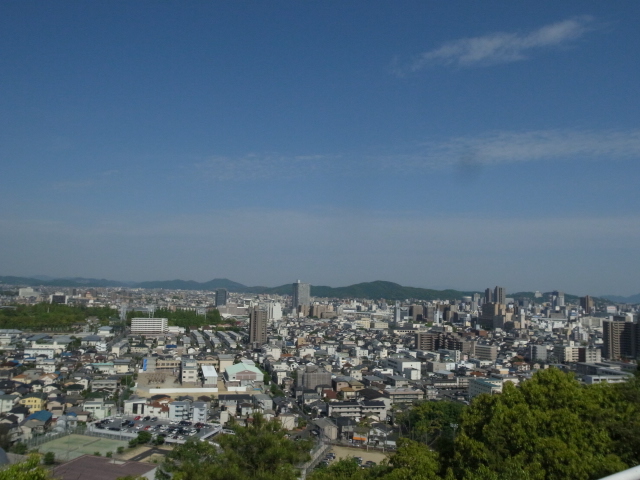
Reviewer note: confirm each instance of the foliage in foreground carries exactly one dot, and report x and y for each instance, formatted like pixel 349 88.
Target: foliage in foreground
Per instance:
pixel 30 469
pixel 551 427
pixel 260 451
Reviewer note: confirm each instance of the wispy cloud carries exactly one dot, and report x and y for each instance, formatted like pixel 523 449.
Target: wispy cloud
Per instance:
pixel 489 149
pixel 258 166
pixel 500 47
pixel 73 185
pixel 511 147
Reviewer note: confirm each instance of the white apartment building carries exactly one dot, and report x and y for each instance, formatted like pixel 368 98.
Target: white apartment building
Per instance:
pixel 150 326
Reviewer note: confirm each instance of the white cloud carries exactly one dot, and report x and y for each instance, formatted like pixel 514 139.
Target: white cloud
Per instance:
pixel 501 47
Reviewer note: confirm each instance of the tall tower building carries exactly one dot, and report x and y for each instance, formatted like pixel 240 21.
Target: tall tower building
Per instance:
pixel 258 326
pixel 301 294
pixel 488 296
pixel 587 304
pixel 500 295
pixel 222 295
pixel 557 298
pixel 620 338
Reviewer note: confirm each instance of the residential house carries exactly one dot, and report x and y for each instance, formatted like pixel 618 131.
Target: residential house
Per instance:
pixel 34 401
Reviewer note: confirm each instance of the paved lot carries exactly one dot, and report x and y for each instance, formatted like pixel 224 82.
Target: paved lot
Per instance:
pixel 170 429
pixel 346 452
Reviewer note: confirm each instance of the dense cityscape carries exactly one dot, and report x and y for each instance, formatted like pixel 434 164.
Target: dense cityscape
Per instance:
pixel 341 373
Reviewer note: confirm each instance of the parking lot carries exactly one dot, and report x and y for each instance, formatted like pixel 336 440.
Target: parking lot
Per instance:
pixel 170 430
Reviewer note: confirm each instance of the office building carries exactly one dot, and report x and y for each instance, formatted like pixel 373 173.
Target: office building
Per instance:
pixel 149 326
pixel 222 295
pixel 416 312
pixel 301 294
pixel 258 326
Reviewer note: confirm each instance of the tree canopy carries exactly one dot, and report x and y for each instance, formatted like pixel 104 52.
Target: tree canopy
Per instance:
pixel 550 427
pixel 259 451
pixel 43 316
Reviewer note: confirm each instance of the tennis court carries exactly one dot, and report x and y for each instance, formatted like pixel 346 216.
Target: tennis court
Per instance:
pixel 73 446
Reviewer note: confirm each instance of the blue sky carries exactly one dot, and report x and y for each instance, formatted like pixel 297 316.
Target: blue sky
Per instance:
pixel 434 144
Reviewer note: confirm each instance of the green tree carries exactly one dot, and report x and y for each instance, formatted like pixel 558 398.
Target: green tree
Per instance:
pixel 144 437
pixel 431 423
pixel 623 423
pixel 19 448
pixel 545 429
pixel 49 458
pixel 413 461
pixel 30 469
pixel 259 451
pixel 346 469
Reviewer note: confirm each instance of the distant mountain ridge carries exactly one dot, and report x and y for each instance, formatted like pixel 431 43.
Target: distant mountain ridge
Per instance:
pixel 619 299
pixel 374 290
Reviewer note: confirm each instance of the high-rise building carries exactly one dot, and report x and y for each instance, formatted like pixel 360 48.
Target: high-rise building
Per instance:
pixel 301 294
pixel 258 326
pixel 557 299
pixel 488 296
pixel 416 312
pixel 500 295
pixel 397 313
pixel 587 304
pixel 620 338
pixel 222 295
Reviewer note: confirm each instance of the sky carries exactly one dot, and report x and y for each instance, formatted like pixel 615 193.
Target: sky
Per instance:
pixel 433 144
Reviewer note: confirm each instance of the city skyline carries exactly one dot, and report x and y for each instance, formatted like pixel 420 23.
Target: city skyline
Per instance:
pixel 413 142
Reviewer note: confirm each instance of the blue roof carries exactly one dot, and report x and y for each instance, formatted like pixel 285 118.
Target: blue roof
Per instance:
pixel 42 415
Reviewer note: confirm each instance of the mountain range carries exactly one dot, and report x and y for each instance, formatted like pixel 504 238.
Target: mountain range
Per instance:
pixel 376 289
pixel 619 299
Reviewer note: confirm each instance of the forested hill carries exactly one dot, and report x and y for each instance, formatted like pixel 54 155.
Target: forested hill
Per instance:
pixel 375 290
